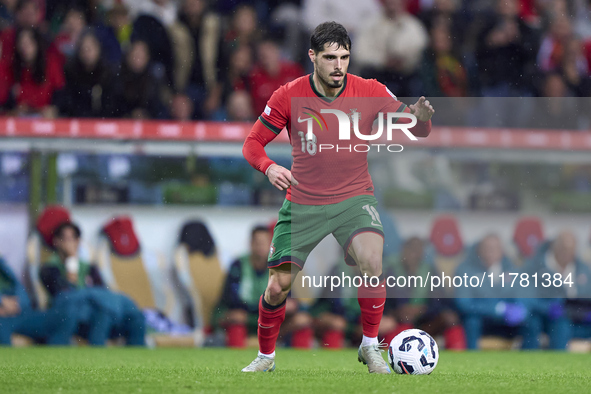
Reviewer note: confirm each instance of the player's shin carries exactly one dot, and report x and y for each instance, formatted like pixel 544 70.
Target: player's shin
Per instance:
pixel 270 319
pixel 371 301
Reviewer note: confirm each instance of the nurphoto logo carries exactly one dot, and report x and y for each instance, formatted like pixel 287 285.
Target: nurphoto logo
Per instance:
pixel 349 130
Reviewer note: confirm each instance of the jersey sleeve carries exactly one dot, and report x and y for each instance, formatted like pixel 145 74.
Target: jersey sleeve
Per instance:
pixel 276 114
pixel 392 104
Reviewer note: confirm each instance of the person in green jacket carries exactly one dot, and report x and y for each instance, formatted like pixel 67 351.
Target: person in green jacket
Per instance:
pixel 53 327
pixel 247 279
pixel 101 313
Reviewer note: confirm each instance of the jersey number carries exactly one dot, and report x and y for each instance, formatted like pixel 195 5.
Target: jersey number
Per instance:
pixel 375 216
pixel 308 145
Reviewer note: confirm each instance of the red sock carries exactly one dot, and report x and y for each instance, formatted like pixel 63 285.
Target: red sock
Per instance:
pixel 455 338
pixel 236 335
pixel 371 301
pixel 333 339
pixel 302 338
pixel 270 319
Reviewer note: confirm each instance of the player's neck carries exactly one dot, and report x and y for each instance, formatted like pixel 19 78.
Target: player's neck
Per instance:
pixel 325 90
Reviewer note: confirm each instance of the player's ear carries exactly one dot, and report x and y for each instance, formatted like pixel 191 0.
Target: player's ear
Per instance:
pixel 312 55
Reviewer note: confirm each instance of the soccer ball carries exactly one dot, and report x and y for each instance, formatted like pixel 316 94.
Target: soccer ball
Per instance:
pixel 413 352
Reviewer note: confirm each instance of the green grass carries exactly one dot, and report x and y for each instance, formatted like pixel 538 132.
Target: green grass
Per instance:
pixel 117 370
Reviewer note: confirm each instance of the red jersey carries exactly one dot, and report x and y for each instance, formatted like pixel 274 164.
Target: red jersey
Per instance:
pixel 332 175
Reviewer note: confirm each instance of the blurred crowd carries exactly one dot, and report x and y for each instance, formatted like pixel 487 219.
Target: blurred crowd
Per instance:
pixel 492 316
pixel 536 292
pixel 221 60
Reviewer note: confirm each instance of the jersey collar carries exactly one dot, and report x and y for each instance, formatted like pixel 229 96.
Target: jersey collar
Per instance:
pixel 327 99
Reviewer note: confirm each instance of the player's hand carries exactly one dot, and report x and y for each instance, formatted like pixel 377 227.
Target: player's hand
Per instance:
pixel 422 109
pixel 280 177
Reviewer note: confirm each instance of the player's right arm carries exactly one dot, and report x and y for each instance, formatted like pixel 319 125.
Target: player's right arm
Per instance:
pixel 265 129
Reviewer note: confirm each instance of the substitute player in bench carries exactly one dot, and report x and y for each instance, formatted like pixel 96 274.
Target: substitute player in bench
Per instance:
pixel 327 192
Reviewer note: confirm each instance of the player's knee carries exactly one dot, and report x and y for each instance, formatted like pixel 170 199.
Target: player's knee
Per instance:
pixel 370 264
pixel 276 293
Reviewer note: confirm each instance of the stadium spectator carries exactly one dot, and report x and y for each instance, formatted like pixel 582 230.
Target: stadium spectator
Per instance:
pixel 446 13
pixel 269 73
pixel 575 69
pixel 239 107
pixel 582 19
pixel 137 94
pixel 352 14
pixel 413 306
pixel 89 82
pixel 244 30
pixel 246 281
pixel 27 14
pixel 7 9
pixel 555 44
pixel 491 308
pixel 205 29
pixel 71 30
pixel 151 27
pixel 442 72
pixel 556 108
pixel 101 314
pixel 53 327
pixel 505 53
pixel 118 24
pixel 163 10
pixel 29 82
pixel 560 310
pixel 236 78
pixel 181 108
pixel 390 48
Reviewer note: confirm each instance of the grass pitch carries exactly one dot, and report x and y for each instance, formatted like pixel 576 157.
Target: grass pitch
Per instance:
pixel 117 370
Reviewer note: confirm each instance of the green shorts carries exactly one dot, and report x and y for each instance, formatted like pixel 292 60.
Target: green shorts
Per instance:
pixel 301 227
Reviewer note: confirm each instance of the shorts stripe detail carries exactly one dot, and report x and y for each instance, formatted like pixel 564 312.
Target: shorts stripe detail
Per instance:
pixel 286 260
pixel 348 259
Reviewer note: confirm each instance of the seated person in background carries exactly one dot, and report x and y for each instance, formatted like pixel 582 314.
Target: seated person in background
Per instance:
pixel 246 281
pixel 491 308
pixel 562 309
pixel 102 313
pixel 338 315
pixel 413 305
pixel 53 327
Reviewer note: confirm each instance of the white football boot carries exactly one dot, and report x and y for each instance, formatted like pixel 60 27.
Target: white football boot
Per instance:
pixel 372 356
pixel 261 364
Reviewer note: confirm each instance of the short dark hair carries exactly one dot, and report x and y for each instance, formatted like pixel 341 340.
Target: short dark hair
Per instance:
pixel 330 33
pixel 60 229
pixel 258 228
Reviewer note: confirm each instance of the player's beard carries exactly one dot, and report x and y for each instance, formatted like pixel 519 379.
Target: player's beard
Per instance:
pixel 329 83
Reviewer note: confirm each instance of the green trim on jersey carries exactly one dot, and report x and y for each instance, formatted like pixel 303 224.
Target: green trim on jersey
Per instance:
pixel 268 125
pixel 327 99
